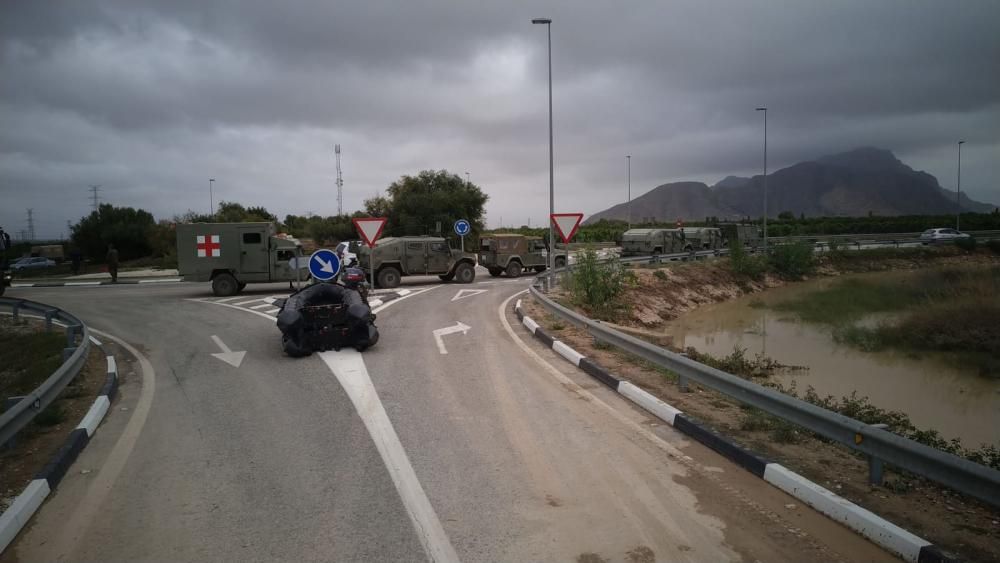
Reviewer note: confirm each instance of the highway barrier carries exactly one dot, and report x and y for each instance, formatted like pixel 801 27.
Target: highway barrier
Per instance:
pixel 74 357
pixel 878 444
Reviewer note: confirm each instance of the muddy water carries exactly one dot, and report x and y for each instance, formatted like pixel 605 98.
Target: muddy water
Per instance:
pixel 936 394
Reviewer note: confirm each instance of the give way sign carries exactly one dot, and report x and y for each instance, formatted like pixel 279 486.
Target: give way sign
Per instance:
pixel 567 224
pixel 370 228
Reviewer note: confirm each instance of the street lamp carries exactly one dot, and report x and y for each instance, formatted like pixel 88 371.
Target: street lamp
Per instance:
pixel 552 199
pixel 467 182
pixel 211 198
pixel 765 177
pixel 628 174
pixel 958 193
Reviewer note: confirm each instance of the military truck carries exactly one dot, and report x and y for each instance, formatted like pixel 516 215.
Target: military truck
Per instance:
pixel 644 242
pixel 748 235
pixel 513 254
pixel 395 257
pixel 701 238
pixel 231 255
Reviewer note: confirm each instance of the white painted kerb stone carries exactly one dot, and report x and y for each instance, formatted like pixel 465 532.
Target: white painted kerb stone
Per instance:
pixel 662 410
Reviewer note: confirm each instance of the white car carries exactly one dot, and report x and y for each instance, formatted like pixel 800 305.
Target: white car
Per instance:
pixel 347 252
pixel 931 236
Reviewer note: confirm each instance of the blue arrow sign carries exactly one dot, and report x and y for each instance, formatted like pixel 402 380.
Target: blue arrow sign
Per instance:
pixel 324 264
pixel 462 227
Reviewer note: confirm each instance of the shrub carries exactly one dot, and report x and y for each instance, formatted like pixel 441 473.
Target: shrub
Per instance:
pixel 660 275
pixel 966 244
pixel 599 285
pixel 793 261
pixel 745 265
pixel 993 245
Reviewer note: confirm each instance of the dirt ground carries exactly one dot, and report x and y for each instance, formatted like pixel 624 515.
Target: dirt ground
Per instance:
pixel 685 286
pixel 963 526
pixel 36 444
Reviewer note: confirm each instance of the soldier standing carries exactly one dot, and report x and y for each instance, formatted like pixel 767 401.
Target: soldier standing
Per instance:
pixel 112 259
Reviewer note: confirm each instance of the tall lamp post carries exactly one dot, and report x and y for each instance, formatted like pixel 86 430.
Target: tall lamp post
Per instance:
pixel 211 198
pixel 552 198
pixel 628 175
pixel 765 177
pixel 958 193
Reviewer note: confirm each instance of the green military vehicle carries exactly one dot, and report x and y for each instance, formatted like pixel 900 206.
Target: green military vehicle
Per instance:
pixel 701 238
pixel 395 257
pixel 513 254
pixel 748 235
pixel 231 255
pixel 646 242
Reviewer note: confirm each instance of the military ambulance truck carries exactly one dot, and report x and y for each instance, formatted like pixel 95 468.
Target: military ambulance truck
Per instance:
pixel 395 257
pixel 513 254
pixel 231 255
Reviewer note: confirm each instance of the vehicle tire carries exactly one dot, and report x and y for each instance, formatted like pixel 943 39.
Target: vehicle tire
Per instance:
pixel 514 269
pixel 689 248
pixel 447 277
pixel 465 273
pixel 560 262
pixel 495 271
pixel 224 285
pixel 389 277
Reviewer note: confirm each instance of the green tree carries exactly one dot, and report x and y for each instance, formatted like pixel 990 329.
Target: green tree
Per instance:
pixel 127 228
pixel 415 204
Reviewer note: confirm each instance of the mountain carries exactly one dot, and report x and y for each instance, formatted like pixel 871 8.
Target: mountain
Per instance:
pixel 854 183
pixel 668 202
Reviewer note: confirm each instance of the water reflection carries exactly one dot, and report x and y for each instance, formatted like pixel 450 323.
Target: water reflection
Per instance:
pixel 935 393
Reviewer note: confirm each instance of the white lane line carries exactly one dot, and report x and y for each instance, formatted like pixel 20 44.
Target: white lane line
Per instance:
pixel 349 368
pixel 271 311
pixel 228 299
pixel 85 513
pixel 403 292
pixel 264 306
pixel 83 283
pixel 242 303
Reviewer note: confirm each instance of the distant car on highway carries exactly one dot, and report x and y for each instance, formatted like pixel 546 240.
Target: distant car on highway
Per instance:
pixel 931 236
pixel 32 263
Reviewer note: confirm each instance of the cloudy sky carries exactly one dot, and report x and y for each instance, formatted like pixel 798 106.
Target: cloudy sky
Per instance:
pixel 151 99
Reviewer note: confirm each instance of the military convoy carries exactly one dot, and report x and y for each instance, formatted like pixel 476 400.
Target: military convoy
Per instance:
pixel 513 254
pixel 395 257
pixel 231 255
pixel 643 242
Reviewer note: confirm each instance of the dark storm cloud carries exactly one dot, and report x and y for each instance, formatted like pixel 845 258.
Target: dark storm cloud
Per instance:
pixel 150 99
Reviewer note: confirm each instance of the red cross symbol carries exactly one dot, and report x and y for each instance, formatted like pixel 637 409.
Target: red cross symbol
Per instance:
pixel 208 246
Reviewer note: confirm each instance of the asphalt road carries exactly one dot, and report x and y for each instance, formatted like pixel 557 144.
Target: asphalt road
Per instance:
pixel 495 450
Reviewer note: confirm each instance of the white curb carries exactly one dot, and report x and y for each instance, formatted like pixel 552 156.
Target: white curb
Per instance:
pixel 25 505
pixel 95 415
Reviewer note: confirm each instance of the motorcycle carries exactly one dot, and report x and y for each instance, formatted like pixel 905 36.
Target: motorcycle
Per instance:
pixel 328 316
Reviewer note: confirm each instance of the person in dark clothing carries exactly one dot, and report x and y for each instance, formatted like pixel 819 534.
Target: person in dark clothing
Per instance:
pixel 112 259
pixel 75 258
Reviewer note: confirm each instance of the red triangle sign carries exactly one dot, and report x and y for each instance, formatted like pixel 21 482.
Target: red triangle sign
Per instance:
pixel 370 228
pixel 567 224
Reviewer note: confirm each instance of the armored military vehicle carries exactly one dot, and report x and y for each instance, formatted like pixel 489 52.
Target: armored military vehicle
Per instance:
pixel 231 255
pixel 513 254
pixel 644 242
pixel 395 257
pixel 747 235
pixel 701 238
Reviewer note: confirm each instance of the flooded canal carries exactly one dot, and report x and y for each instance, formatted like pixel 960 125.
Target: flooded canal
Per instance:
pixel 935 393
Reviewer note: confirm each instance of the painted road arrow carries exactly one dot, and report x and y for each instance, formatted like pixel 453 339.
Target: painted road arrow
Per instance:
pixel 439 333
pixel 463 293
pixel 232 358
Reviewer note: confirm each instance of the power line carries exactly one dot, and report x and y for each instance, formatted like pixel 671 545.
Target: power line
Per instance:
pixel 340 183
pixel 31 224
pixel 94 189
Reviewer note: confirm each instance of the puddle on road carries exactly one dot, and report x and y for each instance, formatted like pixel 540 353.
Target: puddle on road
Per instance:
pixel 936 394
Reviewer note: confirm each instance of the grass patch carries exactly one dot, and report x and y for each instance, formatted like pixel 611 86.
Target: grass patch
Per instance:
pixel 27 359
pixel 737 363
pixel 660 275
pixel 793 261
pixel 744 265
pixel 779 430
pixel 599 286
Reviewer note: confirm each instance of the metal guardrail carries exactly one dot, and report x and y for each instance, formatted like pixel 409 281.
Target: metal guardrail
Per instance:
pixel 874 238
pixel 74 357
pixel 879 445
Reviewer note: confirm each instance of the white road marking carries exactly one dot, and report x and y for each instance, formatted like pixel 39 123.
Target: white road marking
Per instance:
pixel 82 283
pixel 227 299
pixel 86 512
pixel 403 292
pixel 349 368
pixel 232 358
pixel 271 311
pixel 441 332
pixel 463 293
pixel 242 303
pixel 263 306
